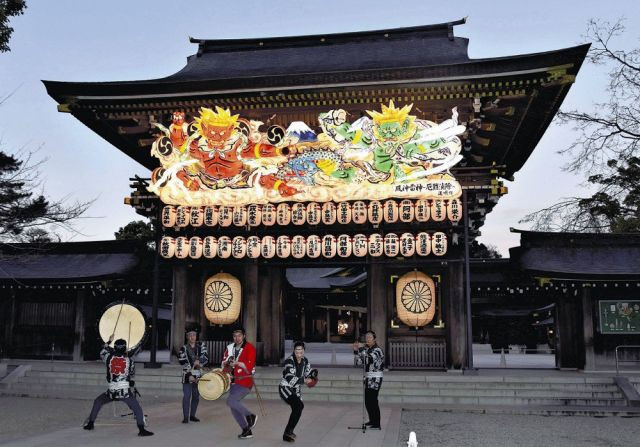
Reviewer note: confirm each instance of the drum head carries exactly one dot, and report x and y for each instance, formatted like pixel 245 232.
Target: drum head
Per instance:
pixel 225 378
pixel 123 321
pixel 211 386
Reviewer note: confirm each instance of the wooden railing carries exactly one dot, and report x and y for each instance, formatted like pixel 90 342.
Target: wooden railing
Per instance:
pixel 416 355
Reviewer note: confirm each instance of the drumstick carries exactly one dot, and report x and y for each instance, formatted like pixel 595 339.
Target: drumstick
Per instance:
pixel 117 319
pixel 129 336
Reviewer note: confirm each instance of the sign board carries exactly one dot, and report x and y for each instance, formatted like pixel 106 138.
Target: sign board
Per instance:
pixel 619 316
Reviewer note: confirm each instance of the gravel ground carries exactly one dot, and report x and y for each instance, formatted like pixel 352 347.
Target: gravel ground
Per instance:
pixel 26 416
pixel 480 430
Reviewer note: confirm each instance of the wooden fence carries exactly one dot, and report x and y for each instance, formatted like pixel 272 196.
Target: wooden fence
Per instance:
pixel 415 355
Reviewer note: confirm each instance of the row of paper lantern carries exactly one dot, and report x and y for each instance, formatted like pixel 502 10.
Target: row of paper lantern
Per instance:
pixel 313 213
pixel 313 246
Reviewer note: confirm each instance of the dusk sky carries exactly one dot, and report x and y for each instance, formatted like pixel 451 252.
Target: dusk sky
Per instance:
pixel 129 40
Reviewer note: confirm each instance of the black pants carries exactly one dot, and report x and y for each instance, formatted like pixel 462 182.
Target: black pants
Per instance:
pixel 371 402
pixel 131 402
pixel 296 411
pixel 190 399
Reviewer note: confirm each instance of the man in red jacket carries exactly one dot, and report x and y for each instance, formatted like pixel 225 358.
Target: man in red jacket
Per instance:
pixel 240 359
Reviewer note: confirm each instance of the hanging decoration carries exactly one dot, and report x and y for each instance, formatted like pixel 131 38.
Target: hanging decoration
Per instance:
pixel 167 247
pixel 314 213
pixel 406 211
pixel 225 215
pixel 314 246
pixel 222 298
pixel 454 210
pixel 298 247
pixel 390 211
pixel 268 214
pixel 283 246
pixel 211 215
pixel 210 247
pixel 253 247
pixel 298 214
pixel 182 247
pixel 168 216
pixel 423 211
pixel 224 247
pixel 239 216
pixel 329 213
pixel 407 245
pixel 415 299
pixel 268 247
pixel 239 247
pixel 195 247
pixel 391 245
pixel 439 243
pixel 438 211
pixel 359 212
pixel 283 214
pixel 344 213
pixel 182 216
pixel 374 212
pixel 360 245
pixel 328 246
pixel 254 215
pixel 196 216
pixel 376 245
pixel 344 245
pixel 423 244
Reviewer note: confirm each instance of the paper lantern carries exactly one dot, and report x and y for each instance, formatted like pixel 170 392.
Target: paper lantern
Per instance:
pixel 268 247
pixel 222 298
pixel 195 247
pixel 374 212
pixel 422 210
pixel 329 213
pixel 268 214
pixel 454 210
pixel 359 243
pixel 196 216
pixel 438 211
pixel 298 214
pixel 224 247
pixel 359 212
pixel 343 246
pixel 390 211
pixel 167 247
pixel 314 246
pixel 239 216
pixel 439 243
pixel 283 246
pixel 254 215
pixel 329 246
pixel 423 244
pixel 376 245
pixel 407 244
pixel 182 216
pixel 182 247
pixel 225 215
pixel 298 247
pixel 343 213
pixel 211 216
pixel 210 247
pixel 406 211
pixel 253 247
pixel 415 299
pixel 391 245
pixel 283 214
pixel 168 216
pixel 314 213
pixel 239 247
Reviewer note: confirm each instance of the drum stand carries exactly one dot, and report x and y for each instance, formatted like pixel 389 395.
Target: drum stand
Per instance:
pixel 362 427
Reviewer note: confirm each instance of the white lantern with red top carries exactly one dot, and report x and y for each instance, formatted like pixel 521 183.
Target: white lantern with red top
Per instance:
pixel 225 215
pixel 239 247
pixel 328 246
pixel 454 210
pixel 391 245
pixel 239 216
pixel 195 247
pixel 407 244
pixel 298 214
pixel 254 215
pixel 314 246
pixel 210 247
pixel 182 216
pixel 283 246
pixel 343 213
pixel 182 247
pixel 423 244
pixel 268 247
pixel 196 215
pixel 298 247
pixel 167 247
pixel 438 211
pixel 253 247
pixel 168 216
pixel 359 212
pixel 423 211
pixel 211 215
pixel 439 243
pixel 283 214
pixel 390 211
pixel 360 245
pixel 314 213
pixel 343 245
pixel 328 213
pixel 269 214
pixel 406 211
pixel 376 245
pixel 375 211
pixel 224 247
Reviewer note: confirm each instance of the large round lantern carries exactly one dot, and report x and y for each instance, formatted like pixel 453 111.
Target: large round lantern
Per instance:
pixel 268 214
pixel 210 247
pixel 239 247
pixel 439 243
pixel 239 216
pixel 253 247
pixel 314 246
pixel 391 245
pixel 376 245
pixel 224 247
pixel 343 245
pixel 225 215
pixel 343 213
pixel 359 245
pixel 374 212
pixel 328 246
pixel 406 211
pixel 423 211
pixel 182 216
pixel 314 213
pixel 415 299
pixel 390 211
pixel 254 215
pixel 283 214
pixel 438 211
pixel 407 244
pixel 328 213
pixel 168 216
pixel 182 247
pixel 167 247
pixel 222 298
pixel 268 247
pixel 298 214
pixel 195 247
pixel 283 246
pixel 359 212
pixel 196 215
pixel 423 244
pixel 211 215
pixel 454 210
pixel 298 247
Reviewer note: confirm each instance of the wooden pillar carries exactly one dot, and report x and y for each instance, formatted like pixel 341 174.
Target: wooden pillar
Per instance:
pixel 178 308
pixel 587 324
pixel 277 344
pixel 250 302
pixel 264 312
pixel 328 326
pixel 455 319
pixel 569 338
pixel 10 322
pixel 377 284
pixel 78 337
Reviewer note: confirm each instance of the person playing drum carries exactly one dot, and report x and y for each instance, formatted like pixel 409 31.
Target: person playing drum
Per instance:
pixel 120 372
pixel 193 357
pixel 239 360
pixel 373 358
